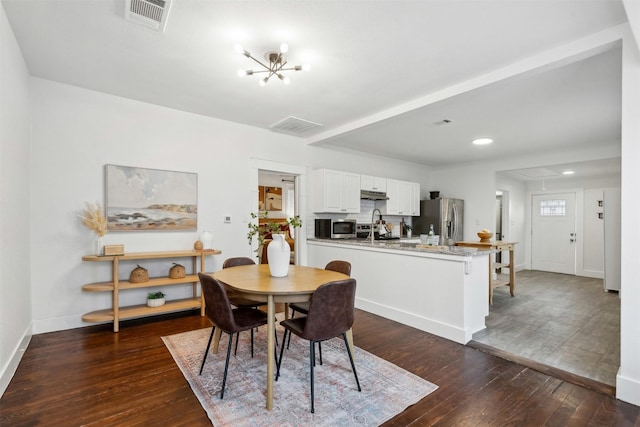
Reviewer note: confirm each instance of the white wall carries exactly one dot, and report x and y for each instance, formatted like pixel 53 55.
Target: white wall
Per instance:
pixel 76 132
pixel 514 205
pixel 476 185
pixel 628 380
pixel 15 290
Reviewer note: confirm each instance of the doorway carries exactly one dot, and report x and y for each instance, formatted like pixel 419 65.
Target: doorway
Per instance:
pixel 296 177
pixel 553 232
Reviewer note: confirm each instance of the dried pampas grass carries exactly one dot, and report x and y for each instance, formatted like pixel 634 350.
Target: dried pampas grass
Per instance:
pixel 93 218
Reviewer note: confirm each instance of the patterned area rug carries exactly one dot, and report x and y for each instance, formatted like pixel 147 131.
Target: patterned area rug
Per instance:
pixel 386 389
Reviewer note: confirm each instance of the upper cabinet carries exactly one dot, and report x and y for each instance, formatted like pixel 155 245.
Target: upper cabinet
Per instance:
pixel 336 191
pixel 373 183
pixel 404 198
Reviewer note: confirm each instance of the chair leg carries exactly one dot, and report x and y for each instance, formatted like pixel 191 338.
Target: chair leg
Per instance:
pixel 353 365
pixel 204 358
pixel 320 350
pixel 293 314
pixel 312 362
pixel 279 359
pixel 235 352
pixel 226 366
pixel 251 343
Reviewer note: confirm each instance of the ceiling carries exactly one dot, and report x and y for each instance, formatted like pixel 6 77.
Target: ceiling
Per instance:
pixel 367 57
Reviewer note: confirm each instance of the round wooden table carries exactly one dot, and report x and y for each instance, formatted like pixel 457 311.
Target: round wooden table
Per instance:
pixel 255 282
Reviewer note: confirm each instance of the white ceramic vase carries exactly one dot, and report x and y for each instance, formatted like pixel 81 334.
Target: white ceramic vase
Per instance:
pixel 207 240
pixel 279 254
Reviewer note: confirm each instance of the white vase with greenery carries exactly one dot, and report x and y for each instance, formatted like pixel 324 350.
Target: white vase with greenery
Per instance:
pixel 258 231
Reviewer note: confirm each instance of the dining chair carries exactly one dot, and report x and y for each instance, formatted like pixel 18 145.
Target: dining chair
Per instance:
pixel 343 267
pixel 331 314
pixel 230 320
pixel 234 298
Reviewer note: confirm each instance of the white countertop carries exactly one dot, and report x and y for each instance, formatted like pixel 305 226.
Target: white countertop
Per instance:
pixel 407 245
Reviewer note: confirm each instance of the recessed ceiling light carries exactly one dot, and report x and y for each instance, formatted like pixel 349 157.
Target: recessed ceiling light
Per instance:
pixel 482 141
pixel 568 173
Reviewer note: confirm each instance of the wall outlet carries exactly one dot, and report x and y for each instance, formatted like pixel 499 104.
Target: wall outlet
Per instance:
pixel 227 219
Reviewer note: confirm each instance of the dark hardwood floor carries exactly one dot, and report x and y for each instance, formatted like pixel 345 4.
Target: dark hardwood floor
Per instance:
pixel 91 376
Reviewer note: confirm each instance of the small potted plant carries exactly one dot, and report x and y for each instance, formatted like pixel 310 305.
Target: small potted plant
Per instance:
pixel 155 299
pixel 408 228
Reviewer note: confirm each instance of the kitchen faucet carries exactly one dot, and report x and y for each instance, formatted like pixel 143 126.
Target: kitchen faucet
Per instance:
pixel 371 229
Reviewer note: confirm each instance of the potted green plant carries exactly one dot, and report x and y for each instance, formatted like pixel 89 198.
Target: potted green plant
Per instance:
pixel 259 231
pixel 155 299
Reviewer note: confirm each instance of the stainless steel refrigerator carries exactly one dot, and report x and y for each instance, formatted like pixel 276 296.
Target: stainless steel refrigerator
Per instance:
pixel 446 215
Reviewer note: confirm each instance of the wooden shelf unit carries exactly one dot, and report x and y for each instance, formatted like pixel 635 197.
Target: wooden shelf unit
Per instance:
pixel 497 246
pixel 117 313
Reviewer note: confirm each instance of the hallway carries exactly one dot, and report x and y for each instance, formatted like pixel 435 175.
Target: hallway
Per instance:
pixel 567 322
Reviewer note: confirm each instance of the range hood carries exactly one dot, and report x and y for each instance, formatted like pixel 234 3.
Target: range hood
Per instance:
pixel 373 195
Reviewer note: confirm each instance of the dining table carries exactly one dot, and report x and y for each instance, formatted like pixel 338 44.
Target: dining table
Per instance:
pixel 255 282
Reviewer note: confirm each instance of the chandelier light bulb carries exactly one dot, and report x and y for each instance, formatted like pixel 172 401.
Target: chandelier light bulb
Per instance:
pixel 284 48
pixel 306 67
pixel 263 81
pixel 284 78
pixel 238 48
pixel 242 73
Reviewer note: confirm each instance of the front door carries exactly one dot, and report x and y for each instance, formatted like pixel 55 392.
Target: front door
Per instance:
pixel 553 233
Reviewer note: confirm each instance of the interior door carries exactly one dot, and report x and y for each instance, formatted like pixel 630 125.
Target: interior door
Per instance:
pixel 553 233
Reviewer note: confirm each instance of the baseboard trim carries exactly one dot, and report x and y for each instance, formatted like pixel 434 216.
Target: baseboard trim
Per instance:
pixel 628 390
pixel 431 326
pixel 546 369
pixel 12 365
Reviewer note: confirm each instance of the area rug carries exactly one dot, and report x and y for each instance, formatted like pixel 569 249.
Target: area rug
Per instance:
pixel 386 389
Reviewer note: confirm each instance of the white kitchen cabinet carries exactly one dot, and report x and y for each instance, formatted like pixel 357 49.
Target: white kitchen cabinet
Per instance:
pixel 373 183
pixel 404 198
pixel 415 199
pixel 336 191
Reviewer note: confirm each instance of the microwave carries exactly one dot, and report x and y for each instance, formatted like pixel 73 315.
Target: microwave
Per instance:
pixel 335 228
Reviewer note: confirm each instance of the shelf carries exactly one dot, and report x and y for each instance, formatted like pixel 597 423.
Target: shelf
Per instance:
pixel 500 265
pixel 116 313
pixel 142 310
pixel 496 283
pixel 125 284
pixel 152 255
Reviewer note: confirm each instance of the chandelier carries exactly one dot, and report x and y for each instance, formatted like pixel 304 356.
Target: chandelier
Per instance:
pixel 277 61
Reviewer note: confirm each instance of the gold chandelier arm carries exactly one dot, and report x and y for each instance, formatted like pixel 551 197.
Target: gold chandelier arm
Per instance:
pixel 268 68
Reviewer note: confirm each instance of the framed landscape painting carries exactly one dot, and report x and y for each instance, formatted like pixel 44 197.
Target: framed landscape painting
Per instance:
pixel 140 199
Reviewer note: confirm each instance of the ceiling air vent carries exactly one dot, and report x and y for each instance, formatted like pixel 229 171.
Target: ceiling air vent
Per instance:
pixel 294 126
pixel 150 13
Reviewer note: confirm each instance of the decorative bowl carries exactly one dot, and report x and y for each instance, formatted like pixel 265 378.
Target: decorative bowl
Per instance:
pixel 485 237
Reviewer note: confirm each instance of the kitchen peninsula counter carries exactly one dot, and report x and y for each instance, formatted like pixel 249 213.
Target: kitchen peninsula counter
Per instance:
pixel 440 290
